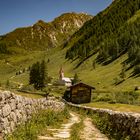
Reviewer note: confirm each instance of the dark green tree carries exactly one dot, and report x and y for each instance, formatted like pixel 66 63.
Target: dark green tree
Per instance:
pixel 75 79
pixel 7 84
pixel 94 64
pixel 3 48
pixel 38 75
pixel 43 74
pixel 35 75
pixel 122 74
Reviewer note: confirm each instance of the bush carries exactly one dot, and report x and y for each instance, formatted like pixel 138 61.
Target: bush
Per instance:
pixel 104 98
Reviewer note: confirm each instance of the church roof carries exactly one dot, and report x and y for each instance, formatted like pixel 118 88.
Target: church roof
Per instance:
pixel 66 79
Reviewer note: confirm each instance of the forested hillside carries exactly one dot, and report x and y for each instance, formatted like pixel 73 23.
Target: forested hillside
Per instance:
pixel 112 33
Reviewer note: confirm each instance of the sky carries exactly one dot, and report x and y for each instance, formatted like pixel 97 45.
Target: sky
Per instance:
pixel 21 13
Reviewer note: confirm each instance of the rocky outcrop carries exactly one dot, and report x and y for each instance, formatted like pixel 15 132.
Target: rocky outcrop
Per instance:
pixel 15 110
pixel 122 124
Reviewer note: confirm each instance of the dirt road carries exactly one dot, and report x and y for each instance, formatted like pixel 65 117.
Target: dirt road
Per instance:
pixel 63 132
pixel 89 132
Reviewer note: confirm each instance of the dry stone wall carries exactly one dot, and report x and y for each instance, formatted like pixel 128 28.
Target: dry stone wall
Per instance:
pixel 17 109
pixel 122 124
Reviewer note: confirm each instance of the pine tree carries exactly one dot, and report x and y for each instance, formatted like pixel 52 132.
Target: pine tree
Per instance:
pixel 76 79
pixel 32 71
pixel 7 84
pixel 43 74
pixel 122 74
pixel 94 64
pixel 38 75
pixel 46 77
pixel 35 75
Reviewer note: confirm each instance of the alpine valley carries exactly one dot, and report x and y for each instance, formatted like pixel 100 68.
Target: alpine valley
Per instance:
pixel 104 50
pixel 75 78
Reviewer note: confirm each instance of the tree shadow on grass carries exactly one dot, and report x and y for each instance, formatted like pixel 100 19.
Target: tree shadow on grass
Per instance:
pixel 134 75
pixel 83 60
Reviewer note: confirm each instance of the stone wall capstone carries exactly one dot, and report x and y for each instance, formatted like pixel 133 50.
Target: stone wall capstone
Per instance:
pixel 15 109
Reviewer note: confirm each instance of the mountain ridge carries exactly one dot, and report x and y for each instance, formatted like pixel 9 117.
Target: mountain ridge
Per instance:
pixel 42 35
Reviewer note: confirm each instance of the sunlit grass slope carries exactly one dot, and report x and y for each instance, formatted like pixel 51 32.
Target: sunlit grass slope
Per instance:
pixel 102 77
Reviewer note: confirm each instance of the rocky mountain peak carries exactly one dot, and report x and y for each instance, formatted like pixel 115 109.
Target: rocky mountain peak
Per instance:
pixel 42 35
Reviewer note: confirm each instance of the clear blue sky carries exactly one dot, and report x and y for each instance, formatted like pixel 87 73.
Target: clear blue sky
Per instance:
pixel 20 13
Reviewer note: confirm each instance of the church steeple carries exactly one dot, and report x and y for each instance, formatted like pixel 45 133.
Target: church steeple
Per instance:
pixel 61 73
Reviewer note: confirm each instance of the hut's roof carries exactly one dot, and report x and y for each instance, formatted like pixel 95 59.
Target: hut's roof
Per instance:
pixel 82 84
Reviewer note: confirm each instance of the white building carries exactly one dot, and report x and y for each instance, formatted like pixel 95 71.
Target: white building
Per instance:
pixel 64 81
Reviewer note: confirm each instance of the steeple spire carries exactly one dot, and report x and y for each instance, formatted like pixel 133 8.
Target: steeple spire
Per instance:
pixel 61 73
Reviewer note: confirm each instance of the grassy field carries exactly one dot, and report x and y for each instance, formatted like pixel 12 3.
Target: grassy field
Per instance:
pixel 12 64
pixel 30 95
pixel 102 77
pixel 115 107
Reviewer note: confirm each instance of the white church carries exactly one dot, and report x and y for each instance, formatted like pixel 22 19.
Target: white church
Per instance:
pixel 64 81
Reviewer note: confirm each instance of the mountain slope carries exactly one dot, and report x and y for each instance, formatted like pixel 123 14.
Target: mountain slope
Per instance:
pixel 42 35
pixel 108 24
pixel 111 47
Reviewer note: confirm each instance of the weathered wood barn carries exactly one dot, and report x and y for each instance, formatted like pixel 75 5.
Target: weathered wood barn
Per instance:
pixel 79 93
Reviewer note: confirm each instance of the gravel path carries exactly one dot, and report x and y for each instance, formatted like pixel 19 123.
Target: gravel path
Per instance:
pixel 63 132
pixel 90 132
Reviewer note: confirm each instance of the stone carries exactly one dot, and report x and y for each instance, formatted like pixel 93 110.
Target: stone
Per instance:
pixel 19 106
pixel 0 127
pixel 13 117
pixel 4 123
pixel 18 115
pixel 6 110
pixel 7 94
pixel 2 97
pixel 12 104
pixel 0 113
pixel 12 126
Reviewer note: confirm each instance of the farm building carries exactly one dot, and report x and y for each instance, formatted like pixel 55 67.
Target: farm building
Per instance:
pixel 79 93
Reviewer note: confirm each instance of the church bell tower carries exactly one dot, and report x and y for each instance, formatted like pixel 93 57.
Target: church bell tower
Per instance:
pixel 61 73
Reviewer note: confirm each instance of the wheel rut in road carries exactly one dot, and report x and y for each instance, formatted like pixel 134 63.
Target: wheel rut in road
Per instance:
pixel 90 132
pixel 64 131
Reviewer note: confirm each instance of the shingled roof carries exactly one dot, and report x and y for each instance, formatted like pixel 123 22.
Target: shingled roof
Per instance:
pixel 81 83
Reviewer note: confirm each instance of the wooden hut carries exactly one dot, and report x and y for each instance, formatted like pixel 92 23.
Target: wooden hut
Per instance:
pixel 79 93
